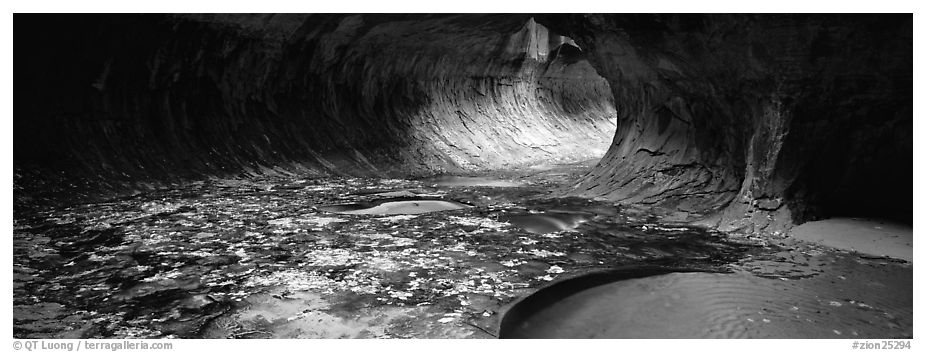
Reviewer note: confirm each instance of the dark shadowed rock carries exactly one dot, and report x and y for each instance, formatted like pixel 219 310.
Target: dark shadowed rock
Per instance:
pixel 767 118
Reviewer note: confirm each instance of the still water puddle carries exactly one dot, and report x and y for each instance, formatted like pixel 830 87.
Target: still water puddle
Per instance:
pixel 546 222
pixel 458 181
pixel 720 305
pixel 418 206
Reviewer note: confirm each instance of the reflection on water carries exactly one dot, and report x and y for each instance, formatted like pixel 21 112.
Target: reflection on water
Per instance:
pixel 420 206
pixel 458 181
pixel 547 222
pixel 727 305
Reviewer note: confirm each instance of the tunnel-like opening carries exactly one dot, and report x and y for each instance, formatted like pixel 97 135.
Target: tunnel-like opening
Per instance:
pixel 805 117
pixel 154 100
pixel 279 175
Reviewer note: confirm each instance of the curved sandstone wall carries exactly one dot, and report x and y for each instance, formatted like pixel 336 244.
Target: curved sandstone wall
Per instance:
pixel 116 102
pixel 765 119
pixel 748 122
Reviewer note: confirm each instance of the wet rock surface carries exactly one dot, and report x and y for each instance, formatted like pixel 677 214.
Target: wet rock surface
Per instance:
pixel 255 258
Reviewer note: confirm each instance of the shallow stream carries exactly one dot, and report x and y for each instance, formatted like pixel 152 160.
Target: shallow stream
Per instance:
pixel 397 258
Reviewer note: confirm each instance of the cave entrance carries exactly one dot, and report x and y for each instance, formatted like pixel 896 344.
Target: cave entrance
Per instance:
pixel 856 192
pixel 546 106
pixel 864 172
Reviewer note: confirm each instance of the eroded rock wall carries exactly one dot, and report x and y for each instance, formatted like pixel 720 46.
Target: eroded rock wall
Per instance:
pixel 751 122
pixel 765 120
pixel 106 103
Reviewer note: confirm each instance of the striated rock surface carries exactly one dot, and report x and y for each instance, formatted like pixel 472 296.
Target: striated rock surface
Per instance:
pixel 276 162
pixel 766 119
pixel 123 102
pixel 747 122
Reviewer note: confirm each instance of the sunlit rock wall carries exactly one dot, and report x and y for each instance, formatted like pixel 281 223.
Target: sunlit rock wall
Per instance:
pixel 107 103
pixel 760 120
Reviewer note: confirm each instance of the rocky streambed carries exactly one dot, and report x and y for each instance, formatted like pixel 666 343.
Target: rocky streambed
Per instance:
pixel 270 258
